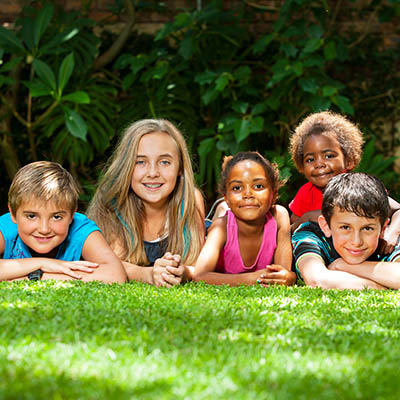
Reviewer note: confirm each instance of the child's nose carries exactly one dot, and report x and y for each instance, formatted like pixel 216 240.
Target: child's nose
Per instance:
pixel 320 162
pixel 153 170
pixel 357 239
pixel 44 226
pixel 247 191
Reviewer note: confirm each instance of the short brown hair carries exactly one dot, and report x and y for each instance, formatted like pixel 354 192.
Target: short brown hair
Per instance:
pixel 43 180
pixel 330 124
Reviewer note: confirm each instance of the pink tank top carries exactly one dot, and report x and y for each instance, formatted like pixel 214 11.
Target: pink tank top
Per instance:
pixel 230 260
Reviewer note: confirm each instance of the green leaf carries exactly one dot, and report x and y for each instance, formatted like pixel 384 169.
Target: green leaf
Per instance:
pixel 45 73
pixel 78 97
pixel 309 85
pixel 75 124
pixel 205 147
pixel 316 31
pixel 330 51
pixel 262 43
pixel 344 104
pixel 10 42
pixel 312 45
pixel 241 129
pixel 258 108
pixel 240 107
pixel 328 91
pixel 222 81
pixel 41 23
pixel 319 103
pixel 205 77
pixel 27 34
pixel 187 46
pixel 66 68
pixel 289 49
pixel 256 124
pixel 38 88
pixel 209 96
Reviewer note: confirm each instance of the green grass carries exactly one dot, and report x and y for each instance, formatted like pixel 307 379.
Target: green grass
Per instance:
pixel 69 340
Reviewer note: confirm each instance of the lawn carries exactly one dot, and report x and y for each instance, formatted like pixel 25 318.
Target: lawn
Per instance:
pixel 69 340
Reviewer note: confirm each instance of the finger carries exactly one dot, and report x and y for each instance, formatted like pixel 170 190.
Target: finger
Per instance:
pixel 171 280
pixel 82 268
pixel 85 263
pixel 176 271
pixel 71 273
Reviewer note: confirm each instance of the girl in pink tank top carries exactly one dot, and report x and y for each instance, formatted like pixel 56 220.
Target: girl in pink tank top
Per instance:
pixel 251 243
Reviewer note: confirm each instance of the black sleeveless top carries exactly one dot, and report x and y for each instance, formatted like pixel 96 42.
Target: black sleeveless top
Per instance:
pixel 155 250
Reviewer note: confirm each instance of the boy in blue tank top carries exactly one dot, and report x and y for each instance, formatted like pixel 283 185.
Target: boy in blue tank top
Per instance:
pixel 43 237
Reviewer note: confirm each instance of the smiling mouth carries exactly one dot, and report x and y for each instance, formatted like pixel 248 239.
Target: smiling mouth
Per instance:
pixel 152 185
pixel 355 252
pixel 43 239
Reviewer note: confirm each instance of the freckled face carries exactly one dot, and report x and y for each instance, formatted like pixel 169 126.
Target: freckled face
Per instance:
pixel 323 159
pixel 42 226
pixel 354 238
pixel 248 192
pixel 156 169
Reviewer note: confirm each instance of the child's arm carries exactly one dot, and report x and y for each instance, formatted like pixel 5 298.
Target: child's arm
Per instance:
pixel 392 231
pixel 21 267
pixel 96 249
pixel 208 258
pixel 315 274
pixel 383 272
pixel 280 272
pixel 201 213
pixel 153 275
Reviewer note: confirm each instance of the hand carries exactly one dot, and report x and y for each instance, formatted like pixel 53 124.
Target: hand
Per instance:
pixel 338 265
pixel 163 269
pixel 67 267
pixel 389 241
pixel 275 274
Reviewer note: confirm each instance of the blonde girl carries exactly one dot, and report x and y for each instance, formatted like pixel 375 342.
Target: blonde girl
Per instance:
pixel 147 204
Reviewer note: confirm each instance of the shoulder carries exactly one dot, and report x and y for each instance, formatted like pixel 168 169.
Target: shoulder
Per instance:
pixel 7 227
pixel 199 201
pixel 82 223
pixel 280 213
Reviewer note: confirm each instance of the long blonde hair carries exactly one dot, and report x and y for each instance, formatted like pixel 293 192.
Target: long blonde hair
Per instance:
pixel 119 212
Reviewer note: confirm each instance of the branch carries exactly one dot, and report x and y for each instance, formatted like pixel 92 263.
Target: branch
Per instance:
pixel 260 6
pixel 116 47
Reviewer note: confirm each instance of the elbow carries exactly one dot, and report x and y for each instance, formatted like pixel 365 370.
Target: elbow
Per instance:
pixel 198 276
pixel 318 282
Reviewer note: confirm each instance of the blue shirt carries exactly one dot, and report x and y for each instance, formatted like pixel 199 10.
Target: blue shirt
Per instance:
pixel 69 250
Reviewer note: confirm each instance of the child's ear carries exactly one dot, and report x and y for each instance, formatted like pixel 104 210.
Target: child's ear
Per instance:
pixel 226 200
pixel 323 224
pixel 384 228
pixel 349 164
pixel 12 215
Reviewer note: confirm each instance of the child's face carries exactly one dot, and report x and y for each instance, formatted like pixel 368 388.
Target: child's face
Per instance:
pixel 323 159
pixel 354 238
pixel 42 225
pixel 248 191
pixel 157 168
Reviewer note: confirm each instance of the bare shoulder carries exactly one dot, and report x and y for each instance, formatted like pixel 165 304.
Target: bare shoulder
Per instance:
pixel 199 199
pixel 281 214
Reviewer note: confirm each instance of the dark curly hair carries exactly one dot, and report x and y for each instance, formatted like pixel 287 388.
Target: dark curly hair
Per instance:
pixel 271 170
pixel 330 124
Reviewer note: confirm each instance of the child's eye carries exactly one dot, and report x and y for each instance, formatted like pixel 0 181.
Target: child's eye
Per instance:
pixel 259 186
pixel 309 160
pixel 165 162
pixel 57 217
pixel 30 216
pixel 330 155
pixel 236 188
pixel 139 162
pixel 369 228
pixel 344 227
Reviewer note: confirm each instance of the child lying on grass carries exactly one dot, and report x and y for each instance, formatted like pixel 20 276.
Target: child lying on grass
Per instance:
pixel 340 251
pixel 42 237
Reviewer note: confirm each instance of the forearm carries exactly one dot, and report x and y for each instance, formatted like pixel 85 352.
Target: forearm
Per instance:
pixel 18 268
pixel 383 273
pixel 342 280
pixel 138 273
pixel 217 278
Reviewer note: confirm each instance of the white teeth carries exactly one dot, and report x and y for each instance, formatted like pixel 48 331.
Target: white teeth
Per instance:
pixel 152 185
